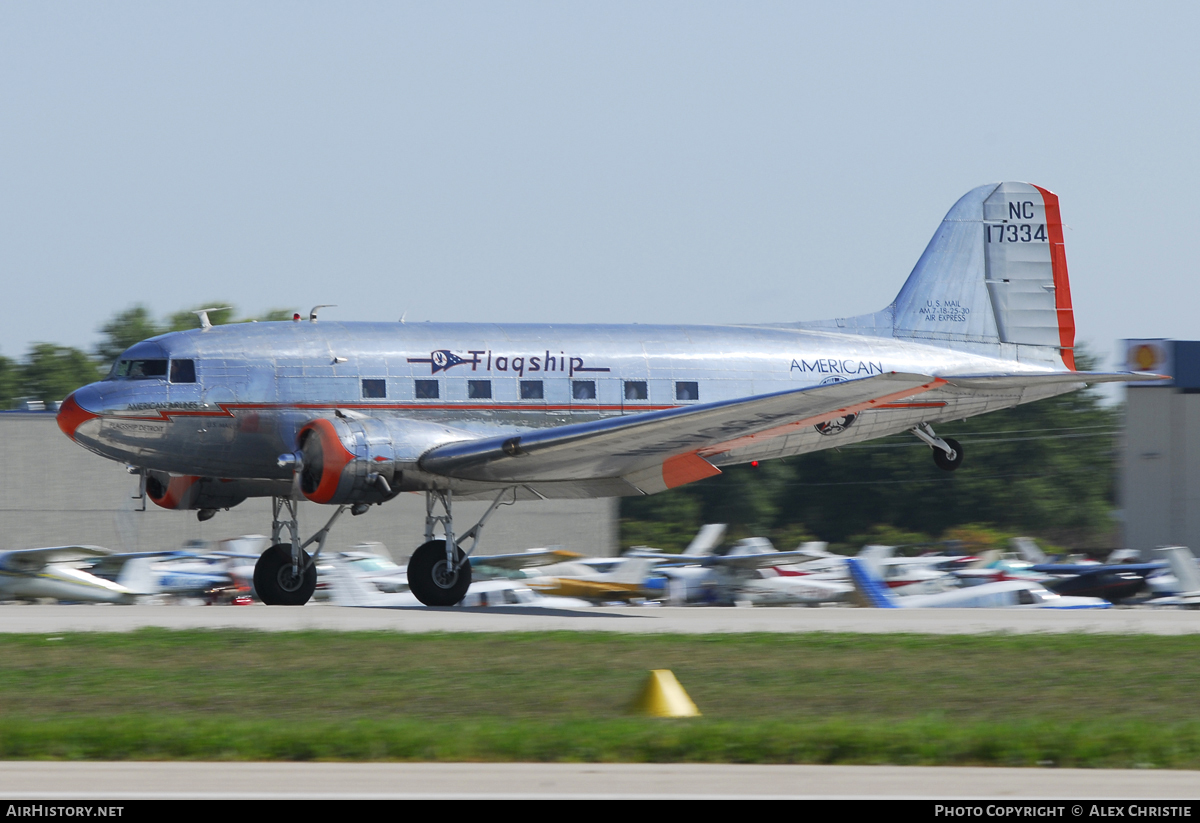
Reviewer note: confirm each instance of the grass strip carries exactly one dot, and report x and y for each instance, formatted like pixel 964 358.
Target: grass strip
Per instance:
pixel 1086 700
pixel 915 742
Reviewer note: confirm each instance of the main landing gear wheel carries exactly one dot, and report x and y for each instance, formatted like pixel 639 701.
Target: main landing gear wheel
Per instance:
pixel 944 461
pixel 431 579
pixel 276 583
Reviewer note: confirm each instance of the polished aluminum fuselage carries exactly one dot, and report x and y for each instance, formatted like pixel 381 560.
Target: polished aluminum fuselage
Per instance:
pixel 257 384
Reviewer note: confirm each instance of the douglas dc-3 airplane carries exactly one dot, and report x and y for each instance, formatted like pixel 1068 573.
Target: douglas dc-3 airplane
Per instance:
pixel 352 414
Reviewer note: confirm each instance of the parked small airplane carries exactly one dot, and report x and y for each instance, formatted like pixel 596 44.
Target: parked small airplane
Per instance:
pixel 32 574
pixel 352 414
pixel 1187 579
pixel 1115 584
pixel 703 544
pixel 746 574
pixel 576 579
pixel 1114 581
pixel 351 584
pixel 872 592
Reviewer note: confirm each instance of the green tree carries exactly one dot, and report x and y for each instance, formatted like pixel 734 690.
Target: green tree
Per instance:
pixel 51 372
pixel 188 319
pixel 126 328
pixel 1046 468
pixel 275 315
pixel 10 381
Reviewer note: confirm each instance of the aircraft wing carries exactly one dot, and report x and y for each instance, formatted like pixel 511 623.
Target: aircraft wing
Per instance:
pixel 757 561
pixel 658 450
pixel 1081 570
pixel 525 560
pixel 32 560
pixel 1020 381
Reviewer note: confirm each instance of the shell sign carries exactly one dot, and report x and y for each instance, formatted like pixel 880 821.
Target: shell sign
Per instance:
pixel 1152 356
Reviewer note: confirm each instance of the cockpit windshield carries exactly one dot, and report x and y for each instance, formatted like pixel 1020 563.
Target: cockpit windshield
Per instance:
pixel 138 369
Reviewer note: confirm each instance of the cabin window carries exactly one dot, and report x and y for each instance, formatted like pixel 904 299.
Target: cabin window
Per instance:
pixel 425 389
pixel 531 390
pixel 139 369
pixel 687 390
pixel 183 371
pixel 583 389
pixel 479 389
pixel 635 390
pixel 375 389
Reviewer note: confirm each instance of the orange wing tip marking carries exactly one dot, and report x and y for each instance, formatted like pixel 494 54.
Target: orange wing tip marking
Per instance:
pixel 686 468
pixel 71 416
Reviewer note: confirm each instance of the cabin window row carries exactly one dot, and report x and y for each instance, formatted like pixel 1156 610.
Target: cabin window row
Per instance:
pixel 686 390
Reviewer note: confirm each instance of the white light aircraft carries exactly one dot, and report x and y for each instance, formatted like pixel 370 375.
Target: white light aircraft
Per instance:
pixel 747 574
pixel 32 574
pixel 872 592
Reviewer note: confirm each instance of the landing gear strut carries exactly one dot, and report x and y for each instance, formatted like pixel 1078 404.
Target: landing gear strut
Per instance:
pixel 439 572
pixel 285 574
pixel 947 452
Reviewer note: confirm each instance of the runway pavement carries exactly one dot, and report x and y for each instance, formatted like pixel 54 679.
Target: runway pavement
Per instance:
pixel 99 781
pixel 632 619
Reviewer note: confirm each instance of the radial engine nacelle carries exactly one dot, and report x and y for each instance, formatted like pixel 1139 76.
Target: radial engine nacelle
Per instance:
pixel 347 460
pixel 188 492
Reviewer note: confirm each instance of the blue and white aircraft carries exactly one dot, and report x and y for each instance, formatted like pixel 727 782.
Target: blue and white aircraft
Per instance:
pixel 352 414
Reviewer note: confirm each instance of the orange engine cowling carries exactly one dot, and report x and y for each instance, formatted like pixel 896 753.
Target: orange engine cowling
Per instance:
pixel 346 461
pixel 188 492
pixel 172 492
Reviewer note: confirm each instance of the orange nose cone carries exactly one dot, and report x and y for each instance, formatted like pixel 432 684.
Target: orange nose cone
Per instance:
pixel 71 414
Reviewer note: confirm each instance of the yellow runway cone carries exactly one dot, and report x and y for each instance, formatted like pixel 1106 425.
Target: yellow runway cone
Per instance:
pixel 662 696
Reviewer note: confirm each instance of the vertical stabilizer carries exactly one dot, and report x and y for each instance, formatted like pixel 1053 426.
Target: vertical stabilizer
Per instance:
pixel 869 588
pixel 1183 566
pixel 876 551
pixel 707 539
pixel 992 280
pixel 346 588
pixel 1028 550
pixel 137 575
pixel 632 571
pixel 995 271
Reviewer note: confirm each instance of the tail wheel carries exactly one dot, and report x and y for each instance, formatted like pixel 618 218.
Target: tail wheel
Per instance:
pixel 944 461
pixel 432 580
pixel 277 584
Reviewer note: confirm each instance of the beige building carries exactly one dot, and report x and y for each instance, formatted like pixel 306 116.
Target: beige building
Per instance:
pixel 56 493
pixel 1159 483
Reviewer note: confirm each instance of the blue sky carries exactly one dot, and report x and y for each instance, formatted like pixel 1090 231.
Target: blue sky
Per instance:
pixel 570 162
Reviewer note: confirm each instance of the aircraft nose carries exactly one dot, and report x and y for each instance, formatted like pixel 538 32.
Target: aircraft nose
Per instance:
pixel 76 409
